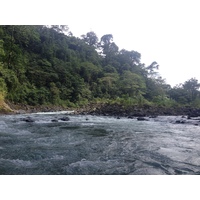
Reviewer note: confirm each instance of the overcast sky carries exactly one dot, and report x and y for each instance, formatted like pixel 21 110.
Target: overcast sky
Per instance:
pixel 165 31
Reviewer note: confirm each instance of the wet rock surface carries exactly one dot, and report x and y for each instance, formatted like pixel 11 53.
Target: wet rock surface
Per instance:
pixel 28 119
pixel 139 111
pixel 185 115
pixel 189 114
pixel 64 119
pixel 142 119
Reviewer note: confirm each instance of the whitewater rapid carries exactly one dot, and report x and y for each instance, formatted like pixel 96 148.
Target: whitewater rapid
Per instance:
pixel 87 144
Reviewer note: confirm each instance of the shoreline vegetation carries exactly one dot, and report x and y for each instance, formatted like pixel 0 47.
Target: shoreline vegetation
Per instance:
pixel 46 68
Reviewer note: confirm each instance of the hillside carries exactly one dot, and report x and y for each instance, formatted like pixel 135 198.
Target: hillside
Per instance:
pixel 41 65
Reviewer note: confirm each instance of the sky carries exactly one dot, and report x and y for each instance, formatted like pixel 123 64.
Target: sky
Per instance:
pixel 165 31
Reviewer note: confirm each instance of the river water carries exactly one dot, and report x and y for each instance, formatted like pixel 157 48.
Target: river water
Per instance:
pixel 97 145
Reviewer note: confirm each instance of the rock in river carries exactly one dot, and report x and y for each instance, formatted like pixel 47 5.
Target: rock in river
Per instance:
pixel 28 119
pixel 141 119
pixel 64 119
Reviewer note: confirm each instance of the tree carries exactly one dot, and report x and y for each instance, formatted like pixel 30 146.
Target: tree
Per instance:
pixel 128 60
pixel 3 87
pixel 108 84
pixel 105 43
pixel 132 84
pixel 60 28
pixel 179 95
pixel 185 93
pixel 90 38
pixel 192 86
pixel 156 89
pixel 151 70
pixel 89 72
pixel 106 40
pixel 55 93
pixel 2 53
pixel 108 50
pixel 132 57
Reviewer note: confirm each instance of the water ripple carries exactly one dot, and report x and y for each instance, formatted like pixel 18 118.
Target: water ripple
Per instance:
pixel 97 145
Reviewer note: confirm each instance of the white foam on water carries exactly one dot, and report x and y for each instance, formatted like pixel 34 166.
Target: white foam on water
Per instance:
pixel 57 157
pixel 54 113
pixel 87 124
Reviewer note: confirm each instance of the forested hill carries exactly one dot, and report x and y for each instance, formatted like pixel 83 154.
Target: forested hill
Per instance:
pixel 47 65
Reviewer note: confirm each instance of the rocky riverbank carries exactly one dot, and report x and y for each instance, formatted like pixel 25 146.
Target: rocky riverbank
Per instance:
pixel 137 111
pixel 23 108
pixel 185 115
pixel 106 109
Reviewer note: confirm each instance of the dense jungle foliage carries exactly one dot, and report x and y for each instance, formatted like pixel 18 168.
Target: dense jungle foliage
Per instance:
pixel 47 65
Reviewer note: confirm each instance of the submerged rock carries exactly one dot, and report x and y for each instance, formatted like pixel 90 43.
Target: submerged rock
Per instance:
pixel 153 116
pixel 54 120
pixel 180 122
pixel 130 117
pixel 64 119
pixel 141 119
pixel 28 119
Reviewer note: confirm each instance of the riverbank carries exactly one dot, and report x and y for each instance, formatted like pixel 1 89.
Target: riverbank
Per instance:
pixel 138 111
pixel 104 109
pixel 5 108
pixel 23 108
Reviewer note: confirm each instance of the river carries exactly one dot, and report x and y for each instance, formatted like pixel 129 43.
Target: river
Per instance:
pixel 97 145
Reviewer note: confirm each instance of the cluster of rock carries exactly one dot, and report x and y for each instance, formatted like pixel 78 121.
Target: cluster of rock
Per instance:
pixel 144 113
pixel 30 119
pixel 107 109
pixel 139 111
pixel 189 120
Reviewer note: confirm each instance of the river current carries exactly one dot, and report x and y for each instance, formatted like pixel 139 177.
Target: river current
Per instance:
pixel 97 145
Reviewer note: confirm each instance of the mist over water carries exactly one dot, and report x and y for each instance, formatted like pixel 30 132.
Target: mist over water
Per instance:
pixel 97 145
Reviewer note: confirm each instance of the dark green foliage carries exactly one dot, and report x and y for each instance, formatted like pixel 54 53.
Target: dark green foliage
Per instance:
pixel 48 65
pixel 186 93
